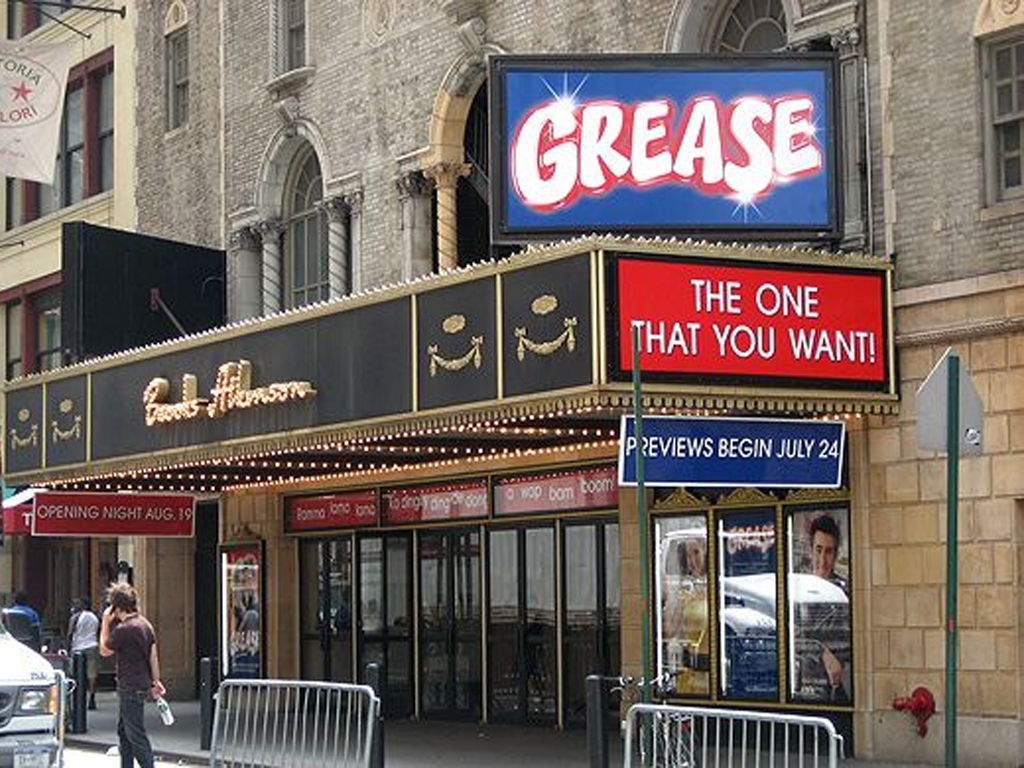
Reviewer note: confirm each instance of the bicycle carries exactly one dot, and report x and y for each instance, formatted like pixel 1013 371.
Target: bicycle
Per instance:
pixel 665 737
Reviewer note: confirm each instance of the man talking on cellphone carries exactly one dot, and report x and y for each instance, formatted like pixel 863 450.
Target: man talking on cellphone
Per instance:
pixel 128 636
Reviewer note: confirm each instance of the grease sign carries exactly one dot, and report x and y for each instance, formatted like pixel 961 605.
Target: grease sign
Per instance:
pixel 664 143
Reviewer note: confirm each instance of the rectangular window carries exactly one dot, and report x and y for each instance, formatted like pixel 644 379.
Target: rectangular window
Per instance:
pixel 23 17
pixel 177 78
pixel 295 34
pixel 85 157
pixel 47 315
pixel 1007 104
pixel 14 338
pixel 754 603
pixel 32 327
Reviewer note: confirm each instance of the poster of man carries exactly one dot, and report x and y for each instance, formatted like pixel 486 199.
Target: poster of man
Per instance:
pixel 819 606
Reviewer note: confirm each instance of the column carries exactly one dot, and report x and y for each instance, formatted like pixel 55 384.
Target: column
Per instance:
pixel 336 211
pixel 353 201
pixel 445 176
pixel 270 231
pixel 243 279
pixel 414 204
pixel 852 153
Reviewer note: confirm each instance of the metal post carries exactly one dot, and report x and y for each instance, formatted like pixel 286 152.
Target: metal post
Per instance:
pixel 952 494
pixel 641 511
pixel 374 679
pixel 80 696
pixel 597 711
pixel 207 686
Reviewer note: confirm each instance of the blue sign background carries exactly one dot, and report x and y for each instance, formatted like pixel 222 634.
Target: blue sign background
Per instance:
pixel 802 204
pixel 693 451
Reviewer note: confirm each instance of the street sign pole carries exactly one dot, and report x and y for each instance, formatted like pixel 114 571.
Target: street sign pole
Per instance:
pixel 641 511
pixel 645 585
pixel 956 427
pixel 952 536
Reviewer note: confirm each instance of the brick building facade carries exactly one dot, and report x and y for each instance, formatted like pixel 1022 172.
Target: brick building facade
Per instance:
pixel 370 108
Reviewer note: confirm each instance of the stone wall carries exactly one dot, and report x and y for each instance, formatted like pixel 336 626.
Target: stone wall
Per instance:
pixel 907 533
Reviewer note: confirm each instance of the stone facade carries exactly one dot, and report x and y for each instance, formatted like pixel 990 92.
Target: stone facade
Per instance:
pixel 179 172
pixel 386 94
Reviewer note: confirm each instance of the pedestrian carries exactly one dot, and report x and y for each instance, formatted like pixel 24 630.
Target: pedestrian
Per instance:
pixel 27 626
pixel 128 636
pixel 83 637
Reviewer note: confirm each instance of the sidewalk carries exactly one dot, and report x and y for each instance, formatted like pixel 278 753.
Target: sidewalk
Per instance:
pixel 406 744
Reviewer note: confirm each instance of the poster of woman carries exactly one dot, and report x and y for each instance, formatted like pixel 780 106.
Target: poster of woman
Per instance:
pixel 241 615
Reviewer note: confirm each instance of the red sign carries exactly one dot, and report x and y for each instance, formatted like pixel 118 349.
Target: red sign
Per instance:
pixel 336 510
pixel 58 513
pixel 713 320
pixel 18 520
pixel 436 502
pixel 596 488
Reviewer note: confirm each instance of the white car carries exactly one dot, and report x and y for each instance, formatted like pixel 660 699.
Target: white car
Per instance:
pixel 31 707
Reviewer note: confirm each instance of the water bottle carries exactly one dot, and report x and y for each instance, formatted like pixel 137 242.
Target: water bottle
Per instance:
pixel 165 710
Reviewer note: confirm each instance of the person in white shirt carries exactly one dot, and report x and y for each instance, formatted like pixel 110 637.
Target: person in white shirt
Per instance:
pixel 83 635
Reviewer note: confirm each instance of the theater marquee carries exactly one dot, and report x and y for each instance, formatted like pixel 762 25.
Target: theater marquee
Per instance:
pixel 723 321
pixel 738 147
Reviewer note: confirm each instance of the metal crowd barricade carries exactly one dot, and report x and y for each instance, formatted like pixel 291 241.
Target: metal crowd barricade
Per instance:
pixel 701 737
pixel 293 723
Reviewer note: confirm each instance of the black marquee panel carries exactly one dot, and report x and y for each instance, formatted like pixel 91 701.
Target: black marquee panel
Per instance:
pixel 25 430
pixel 547 329
pixel 457 344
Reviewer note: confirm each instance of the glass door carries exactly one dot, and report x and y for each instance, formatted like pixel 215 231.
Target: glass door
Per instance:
pixel 522 637
pixel 325 600
pixel 385 615
pixel 450 624
pixel 591 634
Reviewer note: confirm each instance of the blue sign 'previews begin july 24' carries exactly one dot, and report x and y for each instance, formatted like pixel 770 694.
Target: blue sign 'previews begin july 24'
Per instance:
pixel 670 143
pixel 769 453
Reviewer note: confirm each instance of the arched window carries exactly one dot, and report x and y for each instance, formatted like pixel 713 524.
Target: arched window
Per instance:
pixel 306 263
pixel 752 26
pixel 474 234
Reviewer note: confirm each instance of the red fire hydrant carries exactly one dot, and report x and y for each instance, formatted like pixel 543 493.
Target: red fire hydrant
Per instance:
pixel 920 704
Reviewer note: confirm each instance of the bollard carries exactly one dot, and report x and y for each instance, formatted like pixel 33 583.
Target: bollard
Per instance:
pixel 207 686
pixel 597 711
pixel 80 695
pixel 374 679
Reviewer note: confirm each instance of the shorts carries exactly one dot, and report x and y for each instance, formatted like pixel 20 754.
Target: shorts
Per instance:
pixel 92 661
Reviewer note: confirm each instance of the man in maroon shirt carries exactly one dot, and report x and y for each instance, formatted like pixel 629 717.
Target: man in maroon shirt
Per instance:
pixel 128 636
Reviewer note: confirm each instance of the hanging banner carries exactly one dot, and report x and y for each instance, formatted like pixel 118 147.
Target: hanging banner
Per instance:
pixel 32 83
pixel 450 501
pixel 591 488
pixel 58 513
pixel 18 520
pixel 329 511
